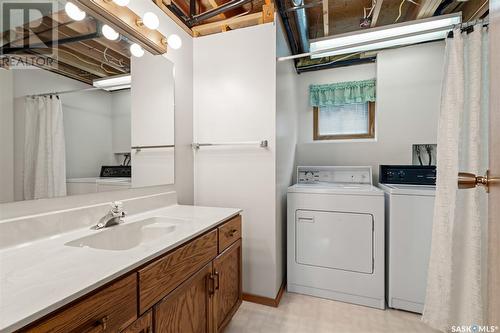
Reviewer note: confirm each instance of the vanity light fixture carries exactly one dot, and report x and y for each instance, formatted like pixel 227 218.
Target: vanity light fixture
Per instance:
pixel 122 3
pixel 74 12
pixel 127 23
pixel 174 41
pixel 149 20
pixel 406 33
pixel 109 32
pixel 113 83
pixel 136 50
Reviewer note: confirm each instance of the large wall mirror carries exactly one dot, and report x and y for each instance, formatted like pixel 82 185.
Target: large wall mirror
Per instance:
pixel 83 109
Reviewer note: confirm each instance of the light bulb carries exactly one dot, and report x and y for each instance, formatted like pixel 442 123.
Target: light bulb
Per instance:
pixel 74 12
pixel 151 21
pixel 122 3
pixel 109 32
pixel 174 41
pixel 136 50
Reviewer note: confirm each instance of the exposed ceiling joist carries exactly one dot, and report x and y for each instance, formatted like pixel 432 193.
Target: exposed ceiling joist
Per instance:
pixel 96 49
pixel 162 4
pixel 376 13
pixel 473 10
pixel 83 63
pixel 118 64
pixel 214 4
pixel 427 8
pixel 60 68
pixel 326 18
pixel 232 23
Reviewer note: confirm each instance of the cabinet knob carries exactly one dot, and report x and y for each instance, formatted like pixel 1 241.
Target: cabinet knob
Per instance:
pixel 231 232
pixel 216 273
pixel 211 284
pixel 97 326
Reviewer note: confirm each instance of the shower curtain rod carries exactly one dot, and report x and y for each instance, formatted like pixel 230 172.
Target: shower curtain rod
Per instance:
pixel 63 92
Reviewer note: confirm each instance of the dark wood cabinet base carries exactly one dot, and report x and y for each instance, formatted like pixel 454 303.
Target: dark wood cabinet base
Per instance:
pixel 195 288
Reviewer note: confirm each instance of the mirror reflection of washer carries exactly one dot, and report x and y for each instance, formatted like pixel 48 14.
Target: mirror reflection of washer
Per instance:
pixel 335 235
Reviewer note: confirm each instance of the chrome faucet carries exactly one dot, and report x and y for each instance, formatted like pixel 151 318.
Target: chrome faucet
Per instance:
pixel 113 217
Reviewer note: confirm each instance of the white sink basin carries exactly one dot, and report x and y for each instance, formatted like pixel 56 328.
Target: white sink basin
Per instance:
pixel 127 235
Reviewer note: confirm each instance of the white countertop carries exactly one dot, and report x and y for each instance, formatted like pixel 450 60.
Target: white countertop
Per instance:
pixel 101 180
pixel 39 277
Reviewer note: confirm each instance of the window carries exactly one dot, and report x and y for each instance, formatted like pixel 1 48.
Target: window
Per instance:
pixel 348 121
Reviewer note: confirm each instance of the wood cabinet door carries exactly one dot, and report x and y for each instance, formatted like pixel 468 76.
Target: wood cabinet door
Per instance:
pixel 228 288
pixel 188 309
pixel 142 325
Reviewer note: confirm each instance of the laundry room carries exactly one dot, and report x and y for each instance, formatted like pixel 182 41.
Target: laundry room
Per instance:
pixel 408 97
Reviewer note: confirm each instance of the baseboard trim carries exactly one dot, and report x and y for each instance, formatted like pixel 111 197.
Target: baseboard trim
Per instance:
pixel 273 302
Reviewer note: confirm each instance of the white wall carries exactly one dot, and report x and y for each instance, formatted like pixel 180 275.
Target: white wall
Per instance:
pixel 87 123
pixel 183 62
pixel 407 107
pixel 152 97
pixel 235 100
pixel 6 136
pixel 120 109
pixel 286 139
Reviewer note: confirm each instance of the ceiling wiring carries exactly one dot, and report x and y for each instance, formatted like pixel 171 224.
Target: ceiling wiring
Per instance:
pixel 369 14
pixel 401 8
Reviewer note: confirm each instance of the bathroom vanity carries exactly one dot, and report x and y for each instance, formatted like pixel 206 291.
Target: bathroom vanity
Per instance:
pixel 173 269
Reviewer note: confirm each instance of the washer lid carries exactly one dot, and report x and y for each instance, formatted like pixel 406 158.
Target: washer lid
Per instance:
pixel 335 188
pixel 405 189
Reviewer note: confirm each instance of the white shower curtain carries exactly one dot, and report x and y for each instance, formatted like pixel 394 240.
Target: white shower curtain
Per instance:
pixel 457 274
pixel 44 173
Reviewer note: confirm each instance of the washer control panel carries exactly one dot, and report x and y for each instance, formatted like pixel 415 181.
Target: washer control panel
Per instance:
pixel 408 174
pixel 334 174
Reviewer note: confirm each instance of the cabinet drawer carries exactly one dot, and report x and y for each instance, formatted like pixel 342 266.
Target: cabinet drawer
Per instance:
pixel 229 232
pixel 162 276
pixel 109 310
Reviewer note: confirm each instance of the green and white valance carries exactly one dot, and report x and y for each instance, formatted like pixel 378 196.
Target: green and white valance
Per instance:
pixel 353 92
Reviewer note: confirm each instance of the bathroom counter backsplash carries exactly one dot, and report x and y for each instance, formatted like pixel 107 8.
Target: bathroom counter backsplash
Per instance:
pixel 26 229
pixel 45 273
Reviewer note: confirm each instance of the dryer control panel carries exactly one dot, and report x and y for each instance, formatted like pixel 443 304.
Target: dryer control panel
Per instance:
pixel 334 174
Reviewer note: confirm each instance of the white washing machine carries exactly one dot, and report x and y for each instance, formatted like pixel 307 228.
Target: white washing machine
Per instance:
pixel 335 235
pixel 409 216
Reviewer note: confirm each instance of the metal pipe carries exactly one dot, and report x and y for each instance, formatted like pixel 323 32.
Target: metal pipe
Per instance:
pixel 336 64
pixel 7 49
pixel 309 5
pixel 196 19
pixel 286 24
pixel 261 144
pixel 192 8
pixel 301 17
pixel 139 148
pixel 178 12
pixel 63 92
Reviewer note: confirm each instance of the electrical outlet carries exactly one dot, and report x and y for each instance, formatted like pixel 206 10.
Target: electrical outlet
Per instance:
pixel 424 154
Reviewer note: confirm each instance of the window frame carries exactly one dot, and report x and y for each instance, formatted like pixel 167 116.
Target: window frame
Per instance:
pixel 369 135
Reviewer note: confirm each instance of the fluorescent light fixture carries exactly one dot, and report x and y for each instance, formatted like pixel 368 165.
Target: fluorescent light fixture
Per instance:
pixel 113 83
pixel 383 37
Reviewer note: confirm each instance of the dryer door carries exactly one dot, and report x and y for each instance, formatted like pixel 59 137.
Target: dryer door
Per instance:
pixel 335 240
